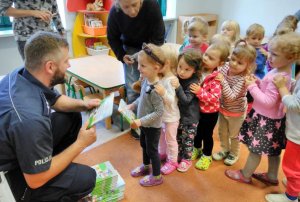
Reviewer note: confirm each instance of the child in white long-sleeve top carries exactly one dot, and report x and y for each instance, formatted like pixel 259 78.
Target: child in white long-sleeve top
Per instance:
pixel 168 146
pixel 150 109
pixel 263 129
pixel 233 100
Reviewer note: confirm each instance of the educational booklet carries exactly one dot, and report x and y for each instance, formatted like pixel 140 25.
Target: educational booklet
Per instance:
pixel 104 110
pixel 128 115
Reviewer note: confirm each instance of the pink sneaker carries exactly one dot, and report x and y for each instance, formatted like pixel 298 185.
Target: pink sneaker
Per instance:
pixel 184 165
pixel 169 167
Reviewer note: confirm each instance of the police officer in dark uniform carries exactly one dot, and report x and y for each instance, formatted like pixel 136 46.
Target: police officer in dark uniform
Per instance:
pixel 38 144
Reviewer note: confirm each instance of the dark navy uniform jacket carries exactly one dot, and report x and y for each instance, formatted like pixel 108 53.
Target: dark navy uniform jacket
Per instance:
pixel 25 127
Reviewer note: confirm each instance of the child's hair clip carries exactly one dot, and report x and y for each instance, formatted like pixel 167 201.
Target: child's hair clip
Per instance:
pixel 149 88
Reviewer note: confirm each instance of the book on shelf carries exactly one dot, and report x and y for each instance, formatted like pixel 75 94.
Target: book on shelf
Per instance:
pixel 104 110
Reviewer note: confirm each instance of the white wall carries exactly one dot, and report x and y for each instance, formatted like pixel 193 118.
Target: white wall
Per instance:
pixel 9 55
pixel 265 12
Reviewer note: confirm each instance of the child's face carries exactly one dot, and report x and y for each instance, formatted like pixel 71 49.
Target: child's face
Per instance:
pixel 277 58
pixel 196 38
pixel 254 40
pixel 228 31
pixel 211 58
pixel 237 66
pixel 184 71
pixel 147 69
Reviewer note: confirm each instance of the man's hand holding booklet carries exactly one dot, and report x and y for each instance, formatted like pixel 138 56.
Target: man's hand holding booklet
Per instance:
pixel 104 110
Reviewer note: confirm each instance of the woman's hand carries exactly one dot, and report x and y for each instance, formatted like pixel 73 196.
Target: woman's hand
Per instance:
pixel 128 59
pixel 44 15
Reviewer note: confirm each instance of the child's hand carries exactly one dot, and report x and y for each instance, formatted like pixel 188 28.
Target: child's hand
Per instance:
pixel 135 124
pixel 175 83
pixel 263 51
pixel 195 88
pixel 131 106
pixel 250 80
pixel 219 77
pixel 128 59
pixel 279 81
pixel 160 89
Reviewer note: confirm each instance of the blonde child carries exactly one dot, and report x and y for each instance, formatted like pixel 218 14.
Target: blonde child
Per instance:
pixel 208 93
pixel 197 33
pixel 150 109
pixel 231 29
pixel 263 129
pixel 254 36
pixel 287 25
pixel 216 38
pixel 168 146
pixel 188 69
pixel 290 162
pixel 233 100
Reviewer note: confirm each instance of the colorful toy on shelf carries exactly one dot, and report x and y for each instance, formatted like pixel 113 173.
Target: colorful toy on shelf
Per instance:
pixel 96 6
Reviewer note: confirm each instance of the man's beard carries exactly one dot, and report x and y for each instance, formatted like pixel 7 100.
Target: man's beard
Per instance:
pixel 58 78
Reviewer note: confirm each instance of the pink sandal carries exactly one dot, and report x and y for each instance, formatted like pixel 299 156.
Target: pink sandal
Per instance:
pixel 237 175
pixel 184 165
pixel 169 167
pixel 263 177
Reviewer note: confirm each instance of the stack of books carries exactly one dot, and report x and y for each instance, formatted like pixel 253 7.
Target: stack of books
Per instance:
pixel 110 186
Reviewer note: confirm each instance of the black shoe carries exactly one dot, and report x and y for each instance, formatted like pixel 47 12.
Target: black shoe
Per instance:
pixel 134 134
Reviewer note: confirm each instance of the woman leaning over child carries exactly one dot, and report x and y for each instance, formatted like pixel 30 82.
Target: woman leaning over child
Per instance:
pixel 263 129
pixel 208 92
pixel 188 70
pixel 150 109
pixel 233 100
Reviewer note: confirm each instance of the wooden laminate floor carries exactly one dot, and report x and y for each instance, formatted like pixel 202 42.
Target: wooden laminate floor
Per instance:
pixel 200 186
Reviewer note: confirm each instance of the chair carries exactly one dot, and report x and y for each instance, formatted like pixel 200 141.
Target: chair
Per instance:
pixel 5 191
pixel 70 87
pixel 81 90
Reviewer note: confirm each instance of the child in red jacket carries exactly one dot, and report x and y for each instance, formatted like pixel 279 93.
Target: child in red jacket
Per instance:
pixel 209 93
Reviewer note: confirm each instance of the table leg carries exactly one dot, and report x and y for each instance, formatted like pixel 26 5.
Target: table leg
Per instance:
pixel 107 120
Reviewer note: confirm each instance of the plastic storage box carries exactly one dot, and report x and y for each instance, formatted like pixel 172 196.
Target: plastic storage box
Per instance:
pixel 91 51
pixel 94 31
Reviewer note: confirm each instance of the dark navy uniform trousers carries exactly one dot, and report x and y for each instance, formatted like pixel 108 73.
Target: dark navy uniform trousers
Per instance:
pixel 75 182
